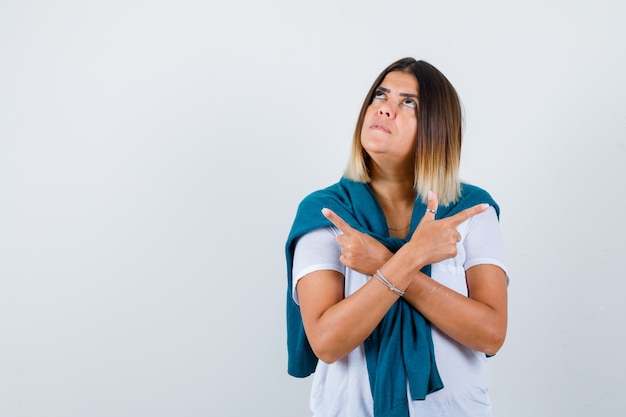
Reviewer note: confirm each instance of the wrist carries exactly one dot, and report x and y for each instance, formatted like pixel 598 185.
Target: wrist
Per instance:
pixel 395 275
pixel 412 257
pixel 381 277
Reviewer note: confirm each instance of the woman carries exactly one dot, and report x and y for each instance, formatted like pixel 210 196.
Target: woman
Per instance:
pixel 397 285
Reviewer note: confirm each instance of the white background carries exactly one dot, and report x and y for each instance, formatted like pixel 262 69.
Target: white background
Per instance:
pixel 153 153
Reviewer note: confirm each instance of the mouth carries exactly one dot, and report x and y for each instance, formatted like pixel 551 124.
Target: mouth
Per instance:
pixel 380 126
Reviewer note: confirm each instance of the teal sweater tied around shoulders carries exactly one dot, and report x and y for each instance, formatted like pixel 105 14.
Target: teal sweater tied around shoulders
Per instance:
pixel 401 347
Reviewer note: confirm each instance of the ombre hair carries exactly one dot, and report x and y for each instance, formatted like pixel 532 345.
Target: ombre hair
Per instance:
pixel 438 144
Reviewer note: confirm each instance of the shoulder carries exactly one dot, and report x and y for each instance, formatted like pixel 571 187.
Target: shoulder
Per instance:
pixel 471 190
pixel 318 237
pixel 472 195
pixel 308 215
pixel 318 198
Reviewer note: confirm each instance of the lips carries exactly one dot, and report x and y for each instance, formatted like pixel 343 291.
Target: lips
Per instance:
pixel 380 126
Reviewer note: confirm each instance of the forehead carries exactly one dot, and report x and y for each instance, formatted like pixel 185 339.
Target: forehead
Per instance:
pixel 400 82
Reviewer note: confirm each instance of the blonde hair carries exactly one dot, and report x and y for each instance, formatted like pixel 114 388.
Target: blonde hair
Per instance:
pixel 438 144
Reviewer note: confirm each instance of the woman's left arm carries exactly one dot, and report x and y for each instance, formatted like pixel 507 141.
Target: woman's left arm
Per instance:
pixel 478 321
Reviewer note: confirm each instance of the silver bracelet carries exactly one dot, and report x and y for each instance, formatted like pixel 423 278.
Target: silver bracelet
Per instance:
pixel 379 276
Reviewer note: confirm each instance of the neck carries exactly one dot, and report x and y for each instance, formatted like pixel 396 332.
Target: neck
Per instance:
pixel 396 197
pixel 393 193
pixel 392 187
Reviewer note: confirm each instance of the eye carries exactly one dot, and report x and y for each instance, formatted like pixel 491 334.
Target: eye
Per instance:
pixel 410 102
pixel 379 94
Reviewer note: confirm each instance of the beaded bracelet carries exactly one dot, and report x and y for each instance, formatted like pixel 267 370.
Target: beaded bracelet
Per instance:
pixel 379 276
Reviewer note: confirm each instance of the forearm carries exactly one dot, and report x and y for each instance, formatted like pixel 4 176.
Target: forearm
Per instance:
pixel 336 325
pixel 345 325
pixel 468 321
pixel 477 321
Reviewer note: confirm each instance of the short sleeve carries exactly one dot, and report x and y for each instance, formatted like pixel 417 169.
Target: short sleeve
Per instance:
pixel 315 251
pixel 483 242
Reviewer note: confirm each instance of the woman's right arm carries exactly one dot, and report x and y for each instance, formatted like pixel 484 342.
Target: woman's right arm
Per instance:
pixel 336 325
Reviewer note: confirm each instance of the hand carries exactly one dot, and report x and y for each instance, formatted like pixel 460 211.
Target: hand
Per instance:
pixel 359 251
pixel 436 240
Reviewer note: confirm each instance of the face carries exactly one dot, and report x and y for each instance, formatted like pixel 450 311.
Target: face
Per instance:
pixel 390 124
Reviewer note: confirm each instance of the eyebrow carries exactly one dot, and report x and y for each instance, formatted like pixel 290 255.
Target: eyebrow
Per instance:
pixel 386 90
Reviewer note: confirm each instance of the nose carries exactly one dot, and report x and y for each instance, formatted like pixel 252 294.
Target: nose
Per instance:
pixel 386 111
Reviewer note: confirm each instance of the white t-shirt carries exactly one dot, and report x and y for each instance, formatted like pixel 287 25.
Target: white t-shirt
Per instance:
pixel 342 388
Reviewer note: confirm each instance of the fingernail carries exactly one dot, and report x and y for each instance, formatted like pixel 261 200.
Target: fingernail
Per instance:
pixel 430 195
pixel 484 206
pixel 325 211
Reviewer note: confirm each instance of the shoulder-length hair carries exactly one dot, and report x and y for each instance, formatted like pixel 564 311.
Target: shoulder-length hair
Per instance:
pixel 438 144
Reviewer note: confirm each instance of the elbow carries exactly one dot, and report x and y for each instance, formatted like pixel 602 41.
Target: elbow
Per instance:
pixel 493 348
pixel 493 342
pixel 493 335
pixel 328 358
pixel 326 354
pixel 328 351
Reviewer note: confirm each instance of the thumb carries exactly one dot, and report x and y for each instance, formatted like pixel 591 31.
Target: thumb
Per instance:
pixel 344 227
pixel 431 206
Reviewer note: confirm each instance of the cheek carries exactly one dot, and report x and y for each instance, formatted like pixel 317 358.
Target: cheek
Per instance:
pixel 411 128
pixel 369 113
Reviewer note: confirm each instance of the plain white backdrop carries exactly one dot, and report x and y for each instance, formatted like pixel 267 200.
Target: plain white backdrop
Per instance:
pixel 153 153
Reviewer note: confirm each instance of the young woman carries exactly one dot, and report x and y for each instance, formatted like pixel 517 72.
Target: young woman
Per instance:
pixel 397 282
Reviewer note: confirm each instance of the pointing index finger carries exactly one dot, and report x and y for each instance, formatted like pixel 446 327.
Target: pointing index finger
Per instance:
pixel 459 218
pixel 336 220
